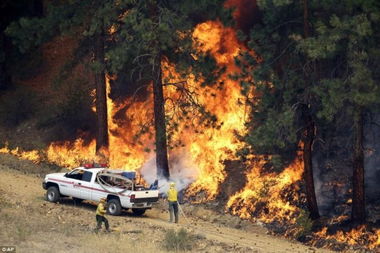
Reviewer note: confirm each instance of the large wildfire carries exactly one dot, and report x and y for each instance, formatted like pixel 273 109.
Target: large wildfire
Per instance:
pixel 202 149
pixel 266 197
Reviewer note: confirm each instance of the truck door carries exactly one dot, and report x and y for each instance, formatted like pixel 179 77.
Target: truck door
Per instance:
pixel 73 188
pixel 86 188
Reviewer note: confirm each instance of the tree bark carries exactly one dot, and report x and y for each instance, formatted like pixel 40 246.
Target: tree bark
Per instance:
pixel 308 139
pixel 101 95
pixel 306 29
pixel 308 169
pixel 162 163
pixel 358 193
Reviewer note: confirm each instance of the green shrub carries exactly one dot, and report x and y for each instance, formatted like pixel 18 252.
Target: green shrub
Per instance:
pixel 304 223
pixel 178 241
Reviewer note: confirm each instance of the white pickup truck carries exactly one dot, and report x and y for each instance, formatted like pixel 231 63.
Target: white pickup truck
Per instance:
pixel 94 183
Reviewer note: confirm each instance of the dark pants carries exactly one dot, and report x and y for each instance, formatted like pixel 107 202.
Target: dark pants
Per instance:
pixel 99 220
pixel 173 209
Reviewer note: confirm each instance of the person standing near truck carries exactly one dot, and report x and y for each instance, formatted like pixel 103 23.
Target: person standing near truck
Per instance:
pixel 100 216
pixel 173 202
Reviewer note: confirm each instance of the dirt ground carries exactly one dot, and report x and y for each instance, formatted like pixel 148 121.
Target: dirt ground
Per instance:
pixel 34 225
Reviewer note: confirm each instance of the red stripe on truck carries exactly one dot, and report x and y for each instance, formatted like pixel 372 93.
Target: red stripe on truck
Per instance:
pixel 87 187
pixel 59 180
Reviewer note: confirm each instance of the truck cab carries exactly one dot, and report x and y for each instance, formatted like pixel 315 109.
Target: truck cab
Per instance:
pixel 118 187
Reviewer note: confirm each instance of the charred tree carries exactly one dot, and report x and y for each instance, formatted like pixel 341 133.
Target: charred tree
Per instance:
pixel 308 139
pixel 162 163
pixel 161 30
pixel 101 94
pixel 358 193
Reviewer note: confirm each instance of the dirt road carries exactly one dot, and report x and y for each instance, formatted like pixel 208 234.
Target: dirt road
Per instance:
pixel 34 225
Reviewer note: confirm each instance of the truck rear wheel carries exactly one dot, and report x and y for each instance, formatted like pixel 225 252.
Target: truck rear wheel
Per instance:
pixel 114 207
pixel 52 194
pixel 138 211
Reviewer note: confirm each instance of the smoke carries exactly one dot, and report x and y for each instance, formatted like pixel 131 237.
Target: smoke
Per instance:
pixel 332 165
pixel 332 169
pixel 324 203
pixel 182 172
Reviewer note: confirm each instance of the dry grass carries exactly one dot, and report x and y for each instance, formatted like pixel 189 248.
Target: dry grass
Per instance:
pixel 117 242
pixel 180 240
pixel 34 225
pixel 32 231
pixel 8 161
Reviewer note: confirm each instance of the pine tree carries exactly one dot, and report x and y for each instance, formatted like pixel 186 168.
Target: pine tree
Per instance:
pixel 157 31
pixel 317 61
pixel 88 21
pixel 283 110
pixel 11 11
pixel 347 42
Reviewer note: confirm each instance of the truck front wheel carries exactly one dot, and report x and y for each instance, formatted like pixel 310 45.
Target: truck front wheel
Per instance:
pixel 114 207
pixel 138 211
pixel 52 194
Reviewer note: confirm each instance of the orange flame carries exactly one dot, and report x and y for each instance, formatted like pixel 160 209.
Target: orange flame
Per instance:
pixel 33 155
pixel 357 236
pixel 207 147
pixel 268 189
pixel 263 195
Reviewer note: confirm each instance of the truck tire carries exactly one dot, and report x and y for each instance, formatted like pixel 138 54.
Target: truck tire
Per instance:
pixel 114 207
pixel 138 211
pixel 52 194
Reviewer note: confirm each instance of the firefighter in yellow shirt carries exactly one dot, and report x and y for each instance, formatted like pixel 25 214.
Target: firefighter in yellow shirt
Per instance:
pixel 173 203
pixel 100 216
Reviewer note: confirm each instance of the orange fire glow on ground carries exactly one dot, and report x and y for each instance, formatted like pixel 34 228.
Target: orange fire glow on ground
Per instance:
pixel 267 188
pixel 33 155
pixel 357 236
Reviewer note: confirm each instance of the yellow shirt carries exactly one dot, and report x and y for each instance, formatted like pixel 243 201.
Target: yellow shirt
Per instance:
pixel 100 210
pixel 172 195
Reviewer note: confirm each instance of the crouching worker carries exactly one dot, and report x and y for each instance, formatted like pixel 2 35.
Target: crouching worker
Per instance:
pixel 173 204
pixel 100 215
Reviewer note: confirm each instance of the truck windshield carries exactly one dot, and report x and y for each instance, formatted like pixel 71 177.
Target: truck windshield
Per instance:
pixel 76 174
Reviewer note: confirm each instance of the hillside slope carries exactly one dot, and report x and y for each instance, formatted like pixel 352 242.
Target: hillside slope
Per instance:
pixel 35 225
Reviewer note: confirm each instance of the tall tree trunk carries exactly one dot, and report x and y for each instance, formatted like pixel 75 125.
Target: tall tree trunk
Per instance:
pixel 308 169
pixel 159 121
pixel 358 193
pixel 101 95
pixel 308 139
pixel 306 29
